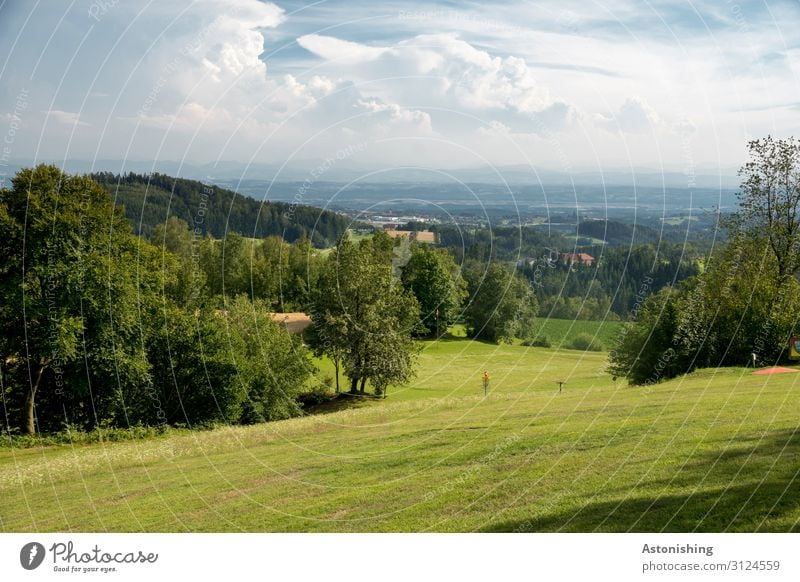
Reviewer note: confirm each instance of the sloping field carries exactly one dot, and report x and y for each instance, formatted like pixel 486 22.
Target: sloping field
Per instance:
pixel 714 451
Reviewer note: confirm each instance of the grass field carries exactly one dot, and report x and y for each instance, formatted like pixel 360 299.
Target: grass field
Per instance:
pixel 713 451
pixel 561 332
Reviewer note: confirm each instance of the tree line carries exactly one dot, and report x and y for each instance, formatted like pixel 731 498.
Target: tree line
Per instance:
pixel 99 326
pixel 743 306
pixel 150 200
pixel 102 327
pixel 604 290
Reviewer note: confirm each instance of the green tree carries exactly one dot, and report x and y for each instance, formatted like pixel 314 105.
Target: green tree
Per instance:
pixel 649 349
pixel 196 376
pixel 301 276
pixel 266 269
pixel 501 306
pixel 769 199
pixel 272 364
pixel 363 315
pixel 188 286
pixel 227 265
pixel 434 278
pixel 737 307
pixel 75 283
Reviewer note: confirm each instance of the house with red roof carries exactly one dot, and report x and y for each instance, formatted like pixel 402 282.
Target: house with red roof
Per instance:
pixel 577 259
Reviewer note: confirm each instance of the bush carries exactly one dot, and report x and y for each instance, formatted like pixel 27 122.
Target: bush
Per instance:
pixel 585 342
pixel 540 341
pixel 319 394
pixel 74 434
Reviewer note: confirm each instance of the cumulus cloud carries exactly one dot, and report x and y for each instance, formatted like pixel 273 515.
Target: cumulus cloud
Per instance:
pixel 224 77
pixel 220 55
pixel 684 128
pixel 335 49
pixel 444 71
pixel 633 116
pixel 215 79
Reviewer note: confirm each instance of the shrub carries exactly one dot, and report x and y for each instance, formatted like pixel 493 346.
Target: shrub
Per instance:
pixel 585 342
pixel 74 434
pixel 540 341
pixel 319 394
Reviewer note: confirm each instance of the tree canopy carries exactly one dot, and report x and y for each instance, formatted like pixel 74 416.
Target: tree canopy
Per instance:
pixel 744 303
pixel 363 317
pixel 434 278
pixel 152 199
pixel 99 326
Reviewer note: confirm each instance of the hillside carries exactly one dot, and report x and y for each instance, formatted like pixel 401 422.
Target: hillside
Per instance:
pixel 712 451
pixel 151 199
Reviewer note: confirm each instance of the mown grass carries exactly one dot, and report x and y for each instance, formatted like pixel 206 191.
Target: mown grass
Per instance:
pixel 713 451
pixel 453 366
pixel 561 332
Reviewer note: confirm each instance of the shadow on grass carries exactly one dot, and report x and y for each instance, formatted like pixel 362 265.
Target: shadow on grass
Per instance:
pixel 342 401
pixel 714 496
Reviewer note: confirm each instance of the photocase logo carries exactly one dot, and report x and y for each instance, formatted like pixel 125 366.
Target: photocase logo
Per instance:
pixel 31 555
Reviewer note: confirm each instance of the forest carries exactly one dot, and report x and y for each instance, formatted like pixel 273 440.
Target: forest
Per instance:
pixel 101 327
pixel 149 200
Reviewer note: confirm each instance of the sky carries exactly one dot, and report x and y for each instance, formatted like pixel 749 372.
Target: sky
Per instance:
pixel 562 86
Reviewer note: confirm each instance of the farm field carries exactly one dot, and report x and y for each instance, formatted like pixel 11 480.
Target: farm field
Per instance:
pixel 717 450
pixel 561 331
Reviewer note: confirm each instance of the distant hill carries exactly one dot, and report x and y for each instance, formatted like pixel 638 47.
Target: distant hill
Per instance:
pixel 151 199
pixel 617 233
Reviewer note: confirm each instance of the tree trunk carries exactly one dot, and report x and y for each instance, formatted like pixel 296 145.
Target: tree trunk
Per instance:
pixel 336 367
pixel 30 417
pixel 363 383
pixel 354 386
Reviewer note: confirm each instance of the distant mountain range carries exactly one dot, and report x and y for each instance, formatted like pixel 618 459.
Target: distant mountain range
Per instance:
pixel 301 171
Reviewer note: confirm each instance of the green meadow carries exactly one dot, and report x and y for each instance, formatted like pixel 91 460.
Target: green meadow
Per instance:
pixel 717 450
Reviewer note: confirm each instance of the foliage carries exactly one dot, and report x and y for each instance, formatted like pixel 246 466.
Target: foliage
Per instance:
pixel 769 199
pixel 744 303
pixel 100 328
pixel 501 305
pixel 210 210
pixel 645 353
pixel 72 301
pixel 540 341
pixel 75 435
pixel 435 280
pixel 189 287
pixel 272 364
pixel 271 269
pixel 611 286
pixel 738 307
pixel 586 343
pixel 195 379
pixel 363 317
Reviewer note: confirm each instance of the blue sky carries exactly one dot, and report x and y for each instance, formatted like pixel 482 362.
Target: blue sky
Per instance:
pixel 565 86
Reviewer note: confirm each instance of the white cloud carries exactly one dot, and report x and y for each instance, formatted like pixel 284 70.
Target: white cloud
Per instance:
pixel 444 71
pixel 212 78
pixel 342 51
pixel 633 116
pixel 65 117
